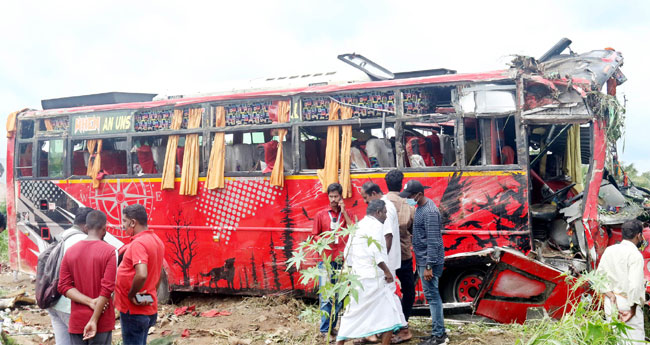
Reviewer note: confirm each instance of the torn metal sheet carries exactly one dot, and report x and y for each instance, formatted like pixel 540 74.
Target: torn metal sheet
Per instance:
pixel 517 283
pixel 597 66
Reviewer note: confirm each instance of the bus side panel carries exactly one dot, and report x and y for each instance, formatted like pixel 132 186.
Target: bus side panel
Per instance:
pixel 238 239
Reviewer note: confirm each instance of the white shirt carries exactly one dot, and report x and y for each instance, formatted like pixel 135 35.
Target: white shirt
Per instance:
pixel 622 263
pixel 391 226
pixel 63 304
pixel 361 257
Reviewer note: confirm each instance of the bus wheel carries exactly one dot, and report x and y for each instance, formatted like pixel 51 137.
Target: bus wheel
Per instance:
pixel 163 289
pixel 466 285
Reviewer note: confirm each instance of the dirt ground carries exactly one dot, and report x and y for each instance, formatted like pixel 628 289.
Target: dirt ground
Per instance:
pixel 241 321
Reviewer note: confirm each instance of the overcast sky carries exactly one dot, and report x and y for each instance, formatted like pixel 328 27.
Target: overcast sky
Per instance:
pixel 55 49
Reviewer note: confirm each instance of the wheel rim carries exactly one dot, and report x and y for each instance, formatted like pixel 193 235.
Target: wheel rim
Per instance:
pixel 468 286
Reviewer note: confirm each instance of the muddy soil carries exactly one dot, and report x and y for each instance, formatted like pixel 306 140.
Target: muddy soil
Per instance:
pixel 241 320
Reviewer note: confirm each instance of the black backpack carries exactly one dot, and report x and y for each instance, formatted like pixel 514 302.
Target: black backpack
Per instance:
pixel 47 273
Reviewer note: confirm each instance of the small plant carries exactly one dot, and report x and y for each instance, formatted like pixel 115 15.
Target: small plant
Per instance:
pixel 584 320
pixel 344 285
pixel 609 108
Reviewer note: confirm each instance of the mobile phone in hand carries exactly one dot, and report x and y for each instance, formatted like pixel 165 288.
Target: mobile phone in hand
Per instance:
pixel 143 298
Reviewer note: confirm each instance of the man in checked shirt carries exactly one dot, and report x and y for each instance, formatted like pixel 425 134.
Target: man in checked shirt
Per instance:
pixel 429 255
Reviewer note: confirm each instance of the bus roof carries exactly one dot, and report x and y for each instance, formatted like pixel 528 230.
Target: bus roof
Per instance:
pixel 492 76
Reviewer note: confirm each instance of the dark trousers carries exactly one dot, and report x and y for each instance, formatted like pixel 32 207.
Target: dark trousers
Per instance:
pixel 135 327
pixel 407 282
pixel 104 338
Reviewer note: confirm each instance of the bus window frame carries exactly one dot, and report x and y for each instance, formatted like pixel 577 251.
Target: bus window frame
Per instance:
pixel 420 119
pixel 350 122
pixel 36 164
pixel 490 167
pixel 211 129
pixel 70 148
pixel 39 136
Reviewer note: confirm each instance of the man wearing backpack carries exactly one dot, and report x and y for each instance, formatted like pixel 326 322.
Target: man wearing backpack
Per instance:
pixel 88 279
pixel 60 311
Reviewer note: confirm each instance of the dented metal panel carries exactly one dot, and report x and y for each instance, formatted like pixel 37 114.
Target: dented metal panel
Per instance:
pixel 516 283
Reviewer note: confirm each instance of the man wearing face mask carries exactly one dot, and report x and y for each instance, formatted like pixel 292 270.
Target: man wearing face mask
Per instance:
pixel 138 276
pixel 429 255
pixel 622 263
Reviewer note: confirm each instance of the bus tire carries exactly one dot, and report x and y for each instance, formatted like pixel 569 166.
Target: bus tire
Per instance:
pixel 164 295
pixel 462 285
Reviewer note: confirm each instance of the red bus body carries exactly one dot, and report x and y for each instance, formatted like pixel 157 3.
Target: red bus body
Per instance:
pixel 237 239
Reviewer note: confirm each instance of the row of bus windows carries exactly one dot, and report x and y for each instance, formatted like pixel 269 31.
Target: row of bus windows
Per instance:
pixel 487 142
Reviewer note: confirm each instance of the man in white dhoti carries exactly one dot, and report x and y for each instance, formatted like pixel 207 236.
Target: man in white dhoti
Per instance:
pixel 622 263
pixel 377 310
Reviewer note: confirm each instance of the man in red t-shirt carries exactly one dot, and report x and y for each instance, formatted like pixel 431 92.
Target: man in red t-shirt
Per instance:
pixel 331 218
pixel 87 277
pixel 138 277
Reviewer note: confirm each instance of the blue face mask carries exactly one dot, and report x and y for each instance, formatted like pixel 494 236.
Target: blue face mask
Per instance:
pixel 411 202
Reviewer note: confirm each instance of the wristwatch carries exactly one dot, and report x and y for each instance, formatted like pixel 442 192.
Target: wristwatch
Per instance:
pixel 429 267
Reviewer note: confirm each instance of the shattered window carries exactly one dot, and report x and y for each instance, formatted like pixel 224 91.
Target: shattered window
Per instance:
pixel 26 129
pixel 50 158
pixel 25 160
pixel 148 154
pixel 256 151
pixel 113 156
pixel 371 146
pixel 430 144
pixel 490 141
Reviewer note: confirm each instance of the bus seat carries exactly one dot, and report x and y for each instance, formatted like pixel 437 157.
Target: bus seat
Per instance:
pixel 448 149
pixel 270 151
pixel 418 146
pixel 287 155
pixel 79 163
pixel 416 161
pixel 507 155
pixel 358 159
pixel 145 158
pixel 312 154
pixel 436 152
pixel 25 160
pixel 303 156
pixel 240 157
pixel 380 153
pixel 114 162
pixel 180 151
pixel 159 153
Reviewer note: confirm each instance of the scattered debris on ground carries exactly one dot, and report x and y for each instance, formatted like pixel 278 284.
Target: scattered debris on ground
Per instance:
pixel 231 320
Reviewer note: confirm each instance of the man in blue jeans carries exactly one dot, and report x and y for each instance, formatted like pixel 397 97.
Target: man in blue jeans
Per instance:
pixel 138 277
pixel 429 255
pixel 331 218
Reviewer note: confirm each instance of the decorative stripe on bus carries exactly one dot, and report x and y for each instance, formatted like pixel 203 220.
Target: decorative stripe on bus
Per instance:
pixel 314 177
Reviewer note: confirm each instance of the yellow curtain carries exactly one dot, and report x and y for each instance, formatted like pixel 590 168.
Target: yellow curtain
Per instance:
pixel 277 175
pixel 48 124
pixel 346 143
pixel 215 178
pixel 169 168
pixel 573 157
pixel 190 171
pixel 330 172
pixel 95 160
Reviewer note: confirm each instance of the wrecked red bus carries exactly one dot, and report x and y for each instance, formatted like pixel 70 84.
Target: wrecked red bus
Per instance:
pixel 491 146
